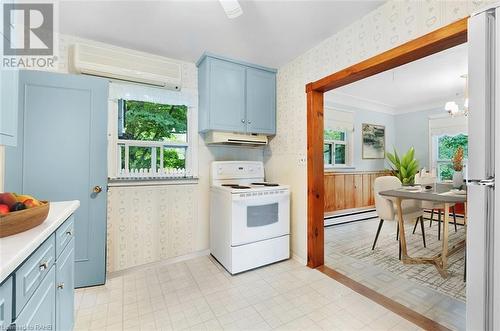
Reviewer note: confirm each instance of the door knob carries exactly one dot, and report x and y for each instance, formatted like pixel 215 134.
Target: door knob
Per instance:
pixel 60 286
pixel 97 189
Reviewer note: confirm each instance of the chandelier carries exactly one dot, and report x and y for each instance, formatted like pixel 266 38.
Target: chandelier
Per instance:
pixel 453 108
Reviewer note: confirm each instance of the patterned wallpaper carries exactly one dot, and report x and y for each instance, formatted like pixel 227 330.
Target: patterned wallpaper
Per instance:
pixel 393 23
pixel 147 224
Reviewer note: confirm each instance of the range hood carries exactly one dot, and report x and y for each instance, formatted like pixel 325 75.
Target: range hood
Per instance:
pixel 228 138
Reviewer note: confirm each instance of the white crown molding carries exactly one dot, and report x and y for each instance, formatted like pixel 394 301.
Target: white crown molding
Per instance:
pixel 351 102
pixel 346 102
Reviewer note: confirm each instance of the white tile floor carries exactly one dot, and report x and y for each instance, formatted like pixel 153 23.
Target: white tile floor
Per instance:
pixel 200 295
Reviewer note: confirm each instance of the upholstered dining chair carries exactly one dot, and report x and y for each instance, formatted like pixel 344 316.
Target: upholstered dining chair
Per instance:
pixel 386 208
pixel 434 207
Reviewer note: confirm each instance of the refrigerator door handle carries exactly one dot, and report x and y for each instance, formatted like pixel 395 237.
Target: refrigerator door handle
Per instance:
pixel 490 182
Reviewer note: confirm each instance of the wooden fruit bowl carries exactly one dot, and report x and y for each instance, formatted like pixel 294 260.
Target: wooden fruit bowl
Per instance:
pixel 23 220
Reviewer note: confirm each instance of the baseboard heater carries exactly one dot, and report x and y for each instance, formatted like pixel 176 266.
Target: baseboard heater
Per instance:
pixel 351 216
pixel 363 215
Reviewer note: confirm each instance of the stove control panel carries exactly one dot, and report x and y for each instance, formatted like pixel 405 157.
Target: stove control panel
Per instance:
pixel 222 170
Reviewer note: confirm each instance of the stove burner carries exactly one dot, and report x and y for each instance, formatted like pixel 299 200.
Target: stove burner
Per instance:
pixel 237 186
pixel 266 184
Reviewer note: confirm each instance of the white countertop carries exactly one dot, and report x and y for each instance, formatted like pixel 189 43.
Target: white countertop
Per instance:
pixel 16 248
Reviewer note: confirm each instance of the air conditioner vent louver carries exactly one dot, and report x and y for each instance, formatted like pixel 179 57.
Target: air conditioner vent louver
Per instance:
pixel 216 137
pixel 129 66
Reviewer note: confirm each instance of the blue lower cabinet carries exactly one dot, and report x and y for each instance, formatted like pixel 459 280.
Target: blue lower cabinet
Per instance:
pixel 6 303
pixel 40 311
pixel 32 272
pixel 39 295
pixel 65 284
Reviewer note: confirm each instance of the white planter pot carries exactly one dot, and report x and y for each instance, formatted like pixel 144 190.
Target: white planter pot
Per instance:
pixel 458 179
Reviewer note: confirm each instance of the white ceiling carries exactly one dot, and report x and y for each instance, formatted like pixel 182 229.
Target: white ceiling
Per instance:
pixel 420 85
pixel 269 33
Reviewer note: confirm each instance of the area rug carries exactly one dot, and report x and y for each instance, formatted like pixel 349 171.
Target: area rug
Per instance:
pixel 385 256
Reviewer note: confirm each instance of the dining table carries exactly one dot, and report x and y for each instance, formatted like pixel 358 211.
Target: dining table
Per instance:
pixel 441 193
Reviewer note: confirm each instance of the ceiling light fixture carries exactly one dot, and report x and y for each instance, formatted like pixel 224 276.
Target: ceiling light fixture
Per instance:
pixel 232 8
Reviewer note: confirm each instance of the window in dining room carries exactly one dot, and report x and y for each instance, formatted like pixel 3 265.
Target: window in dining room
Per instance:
pixel 337 144
pixel 446 145
pixel 335 147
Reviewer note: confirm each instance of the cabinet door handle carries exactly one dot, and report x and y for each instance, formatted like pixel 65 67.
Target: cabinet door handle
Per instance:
pixel 249 122
pixel 69 232
pixel 60 286
pixel 243 121
pixel 43 266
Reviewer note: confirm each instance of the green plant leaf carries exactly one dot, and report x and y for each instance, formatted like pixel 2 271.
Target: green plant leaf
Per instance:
pixel 396 157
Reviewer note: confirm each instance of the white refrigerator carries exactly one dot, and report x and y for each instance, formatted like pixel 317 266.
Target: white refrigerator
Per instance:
pixel 483 207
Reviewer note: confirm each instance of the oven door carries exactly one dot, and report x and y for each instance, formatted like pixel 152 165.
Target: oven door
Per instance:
pixel 259 216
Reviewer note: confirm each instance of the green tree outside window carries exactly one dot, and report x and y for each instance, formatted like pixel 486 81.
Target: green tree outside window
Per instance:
pixel 446 147
pixel 155 122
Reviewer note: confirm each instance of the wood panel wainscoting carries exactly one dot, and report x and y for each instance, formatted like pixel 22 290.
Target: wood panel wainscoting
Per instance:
pixel 350 190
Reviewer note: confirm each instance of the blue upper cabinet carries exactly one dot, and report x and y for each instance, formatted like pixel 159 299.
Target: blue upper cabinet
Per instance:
pixel 261 101
pixel 236 96
pixel 8 107
pixel 226 96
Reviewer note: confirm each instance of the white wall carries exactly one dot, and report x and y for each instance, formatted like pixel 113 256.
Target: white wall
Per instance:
pixel 412 130
pixel 392 24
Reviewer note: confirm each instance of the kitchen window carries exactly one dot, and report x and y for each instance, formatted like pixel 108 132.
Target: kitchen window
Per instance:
pixel 153 139
pixel 335 148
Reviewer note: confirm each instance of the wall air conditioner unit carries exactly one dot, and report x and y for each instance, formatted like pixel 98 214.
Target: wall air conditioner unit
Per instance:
pixel 228 138
pixel 116 63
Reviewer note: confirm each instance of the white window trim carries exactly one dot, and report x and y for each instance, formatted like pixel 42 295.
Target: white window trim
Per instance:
pixel 434 148
pixel 440 125
pixel 191 144
pixel 346 142
pixel 341 120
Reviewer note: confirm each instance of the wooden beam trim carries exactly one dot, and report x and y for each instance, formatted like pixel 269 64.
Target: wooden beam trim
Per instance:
pixel 446 37
pixel 397 308
pixel 315 173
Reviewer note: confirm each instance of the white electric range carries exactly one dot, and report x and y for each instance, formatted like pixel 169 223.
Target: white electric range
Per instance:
pixel 249 218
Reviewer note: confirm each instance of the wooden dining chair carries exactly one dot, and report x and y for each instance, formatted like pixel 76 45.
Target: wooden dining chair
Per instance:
pixel 386 209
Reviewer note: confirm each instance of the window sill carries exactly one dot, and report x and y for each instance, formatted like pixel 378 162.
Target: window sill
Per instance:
pixel 128 182
pixel 339 168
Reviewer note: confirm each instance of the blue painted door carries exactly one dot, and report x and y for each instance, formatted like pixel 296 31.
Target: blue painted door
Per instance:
pixel 261 101
pixel 65 282
pixel 227 96
pixel 40 311
pixel 61 155
pixel 8 107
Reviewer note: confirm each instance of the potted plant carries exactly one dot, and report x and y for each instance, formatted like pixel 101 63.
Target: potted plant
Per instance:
pixel 406 167
pixel 458 166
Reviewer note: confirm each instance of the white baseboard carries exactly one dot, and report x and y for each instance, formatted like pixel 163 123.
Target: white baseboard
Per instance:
pixel 159 263
pixel 298 259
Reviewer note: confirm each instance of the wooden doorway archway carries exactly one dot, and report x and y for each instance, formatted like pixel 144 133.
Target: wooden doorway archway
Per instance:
pixel 446 37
